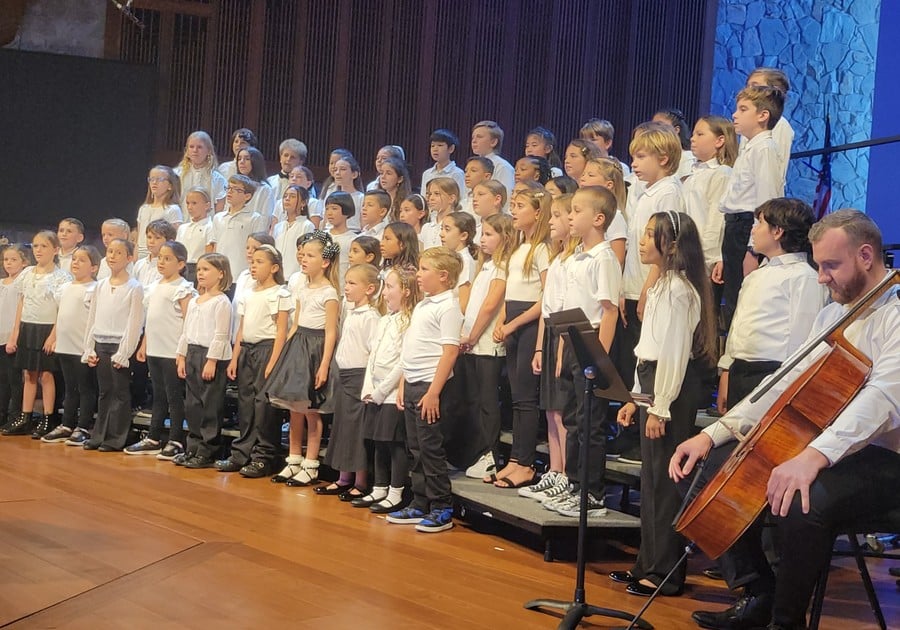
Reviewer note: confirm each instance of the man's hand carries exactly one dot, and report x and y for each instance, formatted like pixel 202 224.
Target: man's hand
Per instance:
pixel 795 474
pixel 687 454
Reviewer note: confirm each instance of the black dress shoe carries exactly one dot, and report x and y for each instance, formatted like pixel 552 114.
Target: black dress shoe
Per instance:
pixel 20 426
pixel 636 588
pixel 386 508
pixel 350 495
pixel 90 446
pixel 622 577
pixel 338 489
pixel 713 573
pixel 364 501
pixel 747 612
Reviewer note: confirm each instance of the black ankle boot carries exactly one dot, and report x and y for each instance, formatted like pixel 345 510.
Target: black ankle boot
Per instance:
pixel 19 426
pixel 44 424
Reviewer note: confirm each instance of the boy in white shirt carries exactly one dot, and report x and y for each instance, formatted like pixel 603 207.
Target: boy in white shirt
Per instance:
pixel 291 153
pixel 443 145
pixel 593 282
pixel 478 169
pixel 70 234
pixel 782 132
pixel 373 214
pixel 778 302
pixel 430 349
pixel 110 230
pixel 487 141
pixel 158 232
pixel 756 178
pixel 230 229
pixel 194 234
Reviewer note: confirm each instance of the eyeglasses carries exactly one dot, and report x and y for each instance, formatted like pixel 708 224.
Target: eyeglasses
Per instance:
pixel 237 189
pixel 156 180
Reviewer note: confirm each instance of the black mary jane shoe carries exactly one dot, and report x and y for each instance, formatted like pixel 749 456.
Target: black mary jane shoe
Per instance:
pixel 349 495
pixel 636 588
pixel 622 577
pixel 364 501
pixel 386 508
pixel 336 490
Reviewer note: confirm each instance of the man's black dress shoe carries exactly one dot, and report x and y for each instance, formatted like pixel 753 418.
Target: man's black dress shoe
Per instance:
pixel 746 613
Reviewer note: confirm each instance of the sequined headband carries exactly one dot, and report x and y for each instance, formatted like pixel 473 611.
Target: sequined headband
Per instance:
pixel 673 217
pixel 330 249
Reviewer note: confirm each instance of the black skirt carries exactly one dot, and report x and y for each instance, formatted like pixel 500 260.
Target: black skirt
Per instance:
pixel 30 353
pixel 291 385
pixel 555 392
pixel 384 423
pixel 346 447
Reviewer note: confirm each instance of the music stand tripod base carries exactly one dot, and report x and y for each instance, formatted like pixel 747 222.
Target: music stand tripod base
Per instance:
pixel 590 355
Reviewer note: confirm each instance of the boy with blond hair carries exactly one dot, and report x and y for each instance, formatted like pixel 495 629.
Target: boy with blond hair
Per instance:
pixel 487 141
pixel 430 349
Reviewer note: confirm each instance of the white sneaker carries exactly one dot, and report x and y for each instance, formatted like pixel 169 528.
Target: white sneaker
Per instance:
pixel 546 482
pixel 483 467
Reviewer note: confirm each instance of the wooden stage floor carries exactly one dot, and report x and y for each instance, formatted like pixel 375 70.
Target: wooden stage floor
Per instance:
pixel 96 540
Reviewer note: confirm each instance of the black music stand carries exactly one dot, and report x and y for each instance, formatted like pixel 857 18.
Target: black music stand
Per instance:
pixel 601 380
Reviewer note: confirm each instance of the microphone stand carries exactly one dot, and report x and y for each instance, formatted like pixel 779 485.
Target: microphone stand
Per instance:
pixel 578 608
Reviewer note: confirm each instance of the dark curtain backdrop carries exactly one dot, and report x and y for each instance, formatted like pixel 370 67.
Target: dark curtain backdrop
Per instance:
pixel 364 73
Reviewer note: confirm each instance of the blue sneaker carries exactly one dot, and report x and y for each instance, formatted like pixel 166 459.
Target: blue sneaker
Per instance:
pixel 437 521
pixel 406 516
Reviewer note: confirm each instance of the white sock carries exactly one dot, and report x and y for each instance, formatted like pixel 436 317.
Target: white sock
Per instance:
pixel 309 463
pixel 293 460
pixel 378 493
pixel 394 495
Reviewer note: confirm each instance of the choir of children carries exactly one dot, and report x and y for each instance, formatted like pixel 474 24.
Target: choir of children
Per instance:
pixel 401 297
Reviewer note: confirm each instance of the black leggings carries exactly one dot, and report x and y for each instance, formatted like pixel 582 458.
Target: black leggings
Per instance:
pixel 11 385
pixel 524 383
pixel 391 464
pixel 168 399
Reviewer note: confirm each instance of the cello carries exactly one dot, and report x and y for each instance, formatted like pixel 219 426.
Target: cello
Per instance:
pixel 736 495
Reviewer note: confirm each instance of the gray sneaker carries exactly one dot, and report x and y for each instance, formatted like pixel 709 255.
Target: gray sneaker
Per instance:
pixel 560 501
pixel 596 507
pixel 144 447
pixel 546 482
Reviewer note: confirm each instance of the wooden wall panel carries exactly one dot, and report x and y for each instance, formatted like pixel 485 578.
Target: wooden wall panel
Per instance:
pixel 361 74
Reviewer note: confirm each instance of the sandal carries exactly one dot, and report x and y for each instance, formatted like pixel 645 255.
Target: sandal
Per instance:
pixel 507 484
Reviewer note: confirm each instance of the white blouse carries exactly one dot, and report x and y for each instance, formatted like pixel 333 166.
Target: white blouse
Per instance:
pixel 259 309
pixel 208 324
pixel 71 323
pixel 40 294
pixel 9 304
pixel 358 326
pixel 526 289
pixel 286 235
pixel 116 317
pixel 671 316
pixel 484 345
pixel 194 235
pixel 311 303
pixel 165 320
pixel 554 287
pixel 383 371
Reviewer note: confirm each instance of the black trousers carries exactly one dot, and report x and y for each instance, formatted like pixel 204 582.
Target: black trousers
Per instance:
pixel 734 249
pixel 483 380
pixel 80 400
pixel 661 547
pixel 624 343
pixel 168 399
pixel 525 385
pixel 114 402
pixel 744 376
pixel 428 460
pixel 11 385
pixel 204 403
pixel 254 413
pixel 857 489
pixel 573 421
